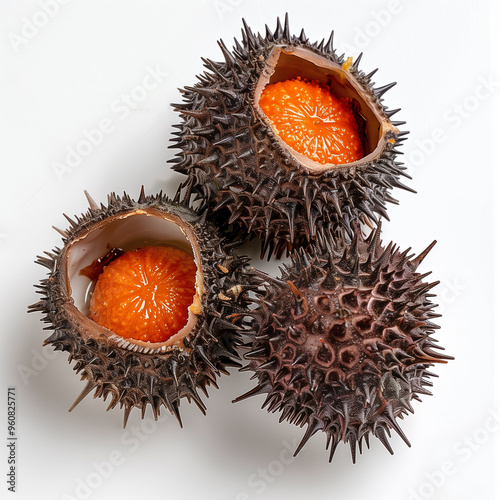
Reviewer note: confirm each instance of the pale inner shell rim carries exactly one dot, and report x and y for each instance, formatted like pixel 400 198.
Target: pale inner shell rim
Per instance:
pixel 129 231
pixel 317 67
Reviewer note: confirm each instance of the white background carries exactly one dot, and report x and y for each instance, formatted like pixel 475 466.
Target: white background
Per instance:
pixel 64 72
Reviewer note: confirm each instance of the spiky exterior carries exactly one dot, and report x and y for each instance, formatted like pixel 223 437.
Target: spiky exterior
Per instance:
pixel 235 163
pixel 136 379
pixel 342 341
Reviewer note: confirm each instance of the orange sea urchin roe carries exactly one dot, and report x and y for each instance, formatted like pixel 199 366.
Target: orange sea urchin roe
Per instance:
pixel 145 293
pixel 311 120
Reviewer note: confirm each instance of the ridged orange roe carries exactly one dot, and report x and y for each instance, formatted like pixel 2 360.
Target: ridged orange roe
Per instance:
pixel 311 120
pixel 145 293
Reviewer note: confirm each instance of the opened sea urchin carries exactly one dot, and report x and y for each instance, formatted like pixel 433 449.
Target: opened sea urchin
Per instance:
pixel 288 140
pixel 146 298
pixel 342 342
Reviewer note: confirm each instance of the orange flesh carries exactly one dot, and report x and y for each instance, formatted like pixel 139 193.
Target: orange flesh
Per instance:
pixel 311 120
pixel 145 293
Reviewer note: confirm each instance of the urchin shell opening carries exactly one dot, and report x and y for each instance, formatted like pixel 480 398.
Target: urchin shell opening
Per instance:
pixel 129 231
pixel 285 63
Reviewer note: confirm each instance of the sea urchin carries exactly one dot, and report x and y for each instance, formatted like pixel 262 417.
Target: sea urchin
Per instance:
pixel 341 343
pixel 288 186
pixel 124 353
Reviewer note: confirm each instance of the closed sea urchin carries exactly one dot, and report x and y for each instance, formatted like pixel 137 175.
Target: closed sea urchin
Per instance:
pixel 134 372
pixel 342 341
pixel 238 164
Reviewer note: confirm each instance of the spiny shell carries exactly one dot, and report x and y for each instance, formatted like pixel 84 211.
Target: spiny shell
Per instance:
pixel 241 169
pixel 134 373
pixel 342 342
